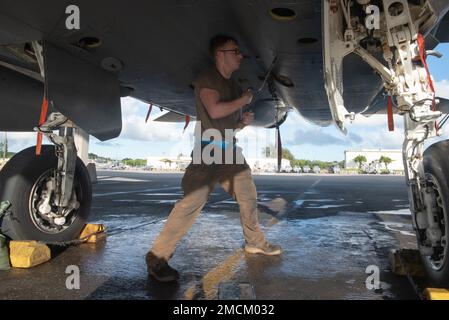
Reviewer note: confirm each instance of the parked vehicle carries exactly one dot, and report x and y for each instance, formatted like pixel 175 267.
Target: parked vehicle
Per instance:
pixel 374 167
pixel 287 169
pixel 335 169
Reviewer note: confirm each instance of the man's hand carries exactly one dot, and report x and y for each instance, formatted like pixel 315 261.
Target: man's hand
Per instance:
pixel 247 96
pixel 248 118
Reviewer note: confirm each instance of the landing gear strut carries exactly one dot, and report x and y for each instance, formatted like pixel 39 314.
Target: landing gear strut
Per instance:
pixel 407 80
pixel 50 194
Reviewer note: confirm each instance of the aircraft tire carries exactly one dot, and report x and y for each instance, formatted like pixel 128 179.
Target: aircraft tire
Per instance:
pixel 436 167
pixel 21 182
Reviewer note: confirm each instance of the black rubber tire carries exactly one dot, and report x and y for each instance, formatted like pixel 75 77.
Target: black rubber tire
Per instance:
pixel 16 181
pixel 436 162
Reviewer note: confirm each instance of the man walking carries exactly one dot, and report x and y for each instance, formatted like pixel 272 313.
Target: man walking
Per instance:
pixel 218 101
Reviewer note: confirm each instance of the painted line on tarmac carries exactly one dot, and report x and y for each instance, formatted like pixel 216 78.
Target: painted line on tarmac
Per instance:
pixel 123 179
pixel 210 282
pixel 298 203
pixel 133 191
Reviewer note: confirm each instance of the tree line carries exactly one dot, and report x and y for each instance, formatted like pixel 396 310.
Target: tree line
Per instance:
pixel 127 161
pixel 4 153
pixel 361 159
pixel 271 152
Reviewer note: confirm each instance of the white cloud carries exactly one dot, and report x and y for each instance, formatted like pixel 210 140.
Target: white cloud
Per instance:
pixel 374 130
pixel 18 141
pixel 364 132
pixel 375 120
pixel 442 88
pixel 316 137
pixel 135 128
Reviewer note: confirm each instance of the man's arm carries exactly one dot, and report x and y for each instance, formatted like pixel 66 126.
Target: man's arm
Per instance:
pixel 217 109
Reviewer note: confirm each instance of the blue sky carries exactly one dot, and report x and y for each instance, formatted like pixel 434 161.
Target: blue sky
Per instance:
pixel 307 141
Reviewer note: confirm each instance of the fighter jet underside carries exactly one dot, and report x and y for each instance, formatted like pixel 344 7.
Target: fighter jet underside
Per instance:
pixel 329 59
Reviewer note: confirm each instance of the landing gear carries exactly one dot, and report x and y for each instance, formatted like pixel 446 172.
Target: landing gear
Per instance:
pixel 50 194
pixel 28 182
pixel 406 79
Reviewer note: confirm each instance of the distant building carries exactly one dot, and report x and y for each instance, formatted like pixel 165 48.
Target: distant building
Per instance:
pixel 180 163
pixel 268 164
pixel 373 156
pixel 168 163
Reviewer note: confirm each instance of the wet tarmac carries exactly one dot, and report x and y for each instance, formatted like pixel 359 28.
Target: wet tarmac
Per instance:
pixel 331 228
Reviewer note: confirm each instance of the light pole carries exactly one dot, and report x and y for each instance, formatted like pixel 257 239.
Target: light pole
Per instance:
pixel 5 146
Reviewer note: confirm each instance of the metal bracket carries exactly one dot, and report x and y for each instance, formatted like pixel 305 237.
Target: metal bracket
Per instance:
pixel 66 153
pixel 39 51
pixel 397 16
pixel 336 47
pixel 386 75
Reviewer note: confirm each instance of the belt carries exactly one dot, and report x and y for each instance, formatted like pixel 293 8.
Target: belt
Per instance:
pixel 221 144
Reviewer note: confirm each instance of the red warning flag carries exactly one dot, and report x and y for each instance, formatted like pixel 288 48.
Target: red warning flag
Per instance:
pixel 44 109
pixel 390 114
pixel 187 123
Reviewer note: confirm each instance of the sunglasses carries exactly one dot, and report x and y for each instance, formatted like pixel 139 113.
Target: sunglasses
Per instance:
pixel 235 51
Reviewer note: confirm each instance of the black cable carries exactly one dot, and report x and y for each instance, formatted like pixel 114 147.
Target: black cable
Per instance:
pixel 415 104
pixel 51 131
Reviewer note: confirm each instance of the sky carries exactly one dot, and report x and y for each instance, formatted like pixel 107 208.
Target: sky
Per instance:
pixel 305 140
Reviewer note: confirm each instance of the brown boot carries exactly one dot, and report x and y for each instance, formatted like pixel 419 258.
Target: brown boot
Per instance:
pixel 159 268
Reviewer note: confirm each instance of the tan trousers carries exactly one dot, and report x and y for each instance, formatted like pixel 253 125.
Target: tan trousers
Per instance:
pixel 198 182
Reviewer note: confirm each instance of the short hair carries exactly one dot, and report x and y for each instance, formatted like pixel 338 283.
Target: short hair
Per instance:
pixel 218 41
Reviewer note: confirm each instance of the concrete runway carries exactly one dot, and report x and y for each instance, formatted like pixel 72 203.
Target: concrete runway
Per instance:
pixel 330 227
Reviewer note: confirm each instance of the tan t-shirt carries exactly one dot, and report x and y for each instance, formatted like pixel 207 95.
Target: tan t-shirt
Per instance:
pixel 227 88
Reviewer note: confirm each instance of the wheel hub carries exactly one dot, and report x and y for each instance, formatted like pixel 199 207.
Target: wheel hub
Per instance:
pixel 45 214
